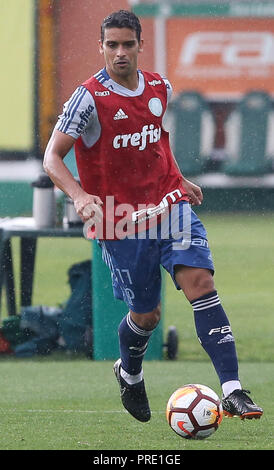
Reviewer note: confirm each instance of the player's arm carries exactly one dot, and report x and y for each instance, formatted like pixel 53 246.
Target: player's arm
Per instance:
pixel 194 192
pixel 68 129
pixel 58 147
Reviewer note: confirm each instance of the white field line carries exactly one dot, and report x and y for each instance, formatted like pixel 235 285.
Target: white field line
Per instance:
pixel 67 411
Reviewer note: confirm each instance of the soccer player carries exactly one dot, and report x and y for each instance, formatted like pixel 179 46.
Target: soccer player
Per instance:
pixel 131 186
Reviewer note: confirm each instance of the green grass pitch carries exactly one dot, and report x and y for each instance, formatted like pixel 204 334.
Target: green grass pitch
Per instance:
pixel 65 402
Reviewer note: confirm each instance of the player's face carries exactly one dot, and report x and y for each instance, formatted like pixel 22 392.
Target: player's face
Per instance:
pixel 120 49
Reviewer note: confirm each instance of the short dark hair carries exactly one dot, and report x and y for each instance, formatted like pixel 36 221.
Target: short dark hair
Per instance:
pixel 122 19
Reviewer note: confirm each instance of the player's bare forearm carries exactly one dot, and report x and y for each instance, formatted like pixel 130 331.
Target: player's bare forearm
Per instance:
pixel 194 192
pixel 57 148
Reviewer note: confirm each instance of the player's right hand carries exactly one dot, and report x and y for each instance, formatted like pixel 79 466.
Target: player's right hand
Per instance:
pixel 89 207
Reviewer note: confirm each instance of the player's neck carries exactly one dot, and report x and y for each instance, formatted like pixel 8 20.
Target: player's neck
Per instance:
pixel 131 81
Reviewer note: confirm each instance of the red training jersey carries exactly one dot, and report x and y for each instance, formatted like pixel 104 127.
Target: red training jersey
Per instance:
pixel 131 166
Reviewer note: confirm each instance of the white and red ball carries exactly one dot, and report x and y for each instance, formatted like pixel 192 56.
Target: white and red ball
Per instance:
pixel 194 411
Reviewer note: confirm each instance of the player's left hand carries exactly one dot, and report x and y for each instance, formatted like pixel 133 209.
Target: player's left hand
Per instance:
pixel 194 193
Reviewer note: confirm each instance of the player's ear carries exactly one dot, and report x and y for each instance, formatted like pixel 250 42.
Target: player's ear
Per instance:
pixel 141 43
pixel 100 46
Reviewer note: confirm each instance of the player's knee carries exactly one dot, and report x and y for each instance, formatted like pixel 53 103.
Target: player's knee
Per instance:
pixel 203 282
pixel 195 282
pixel 147 321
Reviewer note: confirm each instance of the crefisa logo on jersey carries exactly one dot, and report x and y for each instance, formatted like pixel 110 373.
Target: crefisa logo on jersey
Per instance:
pixel 149 134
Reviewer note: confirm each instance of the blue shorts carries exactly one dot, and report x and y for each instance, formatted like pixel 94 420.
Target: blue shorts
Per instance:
pixel 135 263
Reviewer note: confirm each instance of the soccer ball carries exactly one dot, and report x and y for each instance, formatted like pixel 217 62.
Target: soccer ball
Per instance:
pixel 194 411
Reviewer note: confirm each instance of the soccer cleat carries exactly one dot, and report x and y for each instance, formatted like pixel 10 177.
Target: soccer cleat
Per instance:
pixel 239 404
pixel 134 397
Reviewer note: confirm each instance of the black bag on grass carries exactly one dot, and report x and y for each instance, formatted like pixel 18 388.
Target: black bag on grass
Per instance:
pixel 69 328
pixel 76 321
